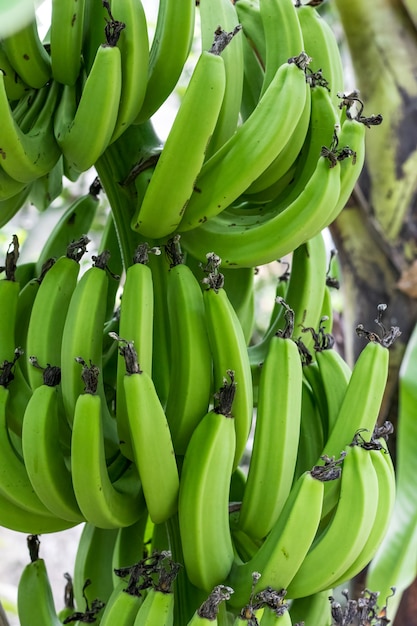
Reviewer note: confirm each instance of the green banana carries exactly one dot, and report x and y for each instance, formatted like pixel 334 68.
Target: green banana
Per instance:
pixel 83 337
pixel 66 36
pixel 279 16
pixel 151 439
pixel 190 386
pixel 82 137
pixel 42 452
pixel 250 240
pixel 130 546
pixel 135 323
pixel 158 213
pixel 284 549
pixel 249 15
pixel 74 223
pixel 27 55
pixel 47 319
pixel 170 47
pixel 28 156
pixel 384 469
pixel 35 602
pixel 251 149
pixel 363 397
pixel 311 440
pixel 229 352
pixel 157 609
pixel 253 76
pixel 16 88
pixel 93 563
pixel 277 430
pixel 134 51
pixel 212 15
pixel 203 504
pixel 394 563
pixel 321 45
pixel 47 188
pixel 102 503
pixel 342 539
pixel 12 205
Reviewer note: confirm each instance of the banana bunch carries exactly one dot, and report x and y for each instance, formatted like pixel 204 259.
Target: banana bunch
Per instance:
pixel 215 472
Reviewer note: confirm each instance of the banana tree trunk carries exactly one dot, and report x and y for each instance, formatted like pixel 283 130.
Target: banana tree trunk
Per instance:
pixel 376 234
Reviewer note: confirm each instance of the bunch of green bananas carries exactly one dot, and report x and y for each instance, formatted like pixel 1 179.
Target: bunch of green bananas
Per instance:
pixel 133 396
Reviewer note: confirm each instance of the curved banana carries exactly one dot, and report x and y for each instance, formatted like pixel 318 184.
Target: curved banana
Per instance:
pixel 35 602
pixel 283 36
pixel 249 15
pixel 130 545
pixel 253 77
pixel 384 469
pixel 276 437
pixel 229 352
pixel 66 36
pixel 321 45
pixel 250 240
pixel 335 375
pixel 15 484
pixel 315 609
pixel 136 323
pixel 83 337
pixel 74 222
pixel 190 386
pixel 362 401
pixel 342 539
pixel 103 503
pixel 43 455
pixel 182 156
pixel 47 319
pixel 93 563
pixel 151 439
pixel 284 549
pixel 28 156
pixel 83 137
pixel 16 88
pixel 134 52
pixel 252 148
pixel 286 159
pixel 27 55
pixel 170 47
pixel 203 504
pixel 157 609
pixel 223 13
pixel 11 205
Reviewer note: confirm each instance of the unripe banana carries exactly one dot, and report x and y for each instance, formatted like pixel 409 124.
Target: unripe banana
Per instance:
pixel 103 503
pixel 170 47
pixel 47 319
pixel 66 35
pixel 28 156
pixel 136 323
pixel 183 154
pixel 35 603
pixel 151 439
pixel 81 136
pixel 190 385
pixel 134 52
pixel 206 614
pixel 251 149
pixel 42 452
pixel 27 55
pixel 277 430
pixel 229 352
pixel 203 506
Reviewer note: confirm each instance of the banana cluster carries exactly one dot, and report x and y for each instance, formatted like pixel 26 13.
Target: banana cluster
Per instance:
pixel 135 397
